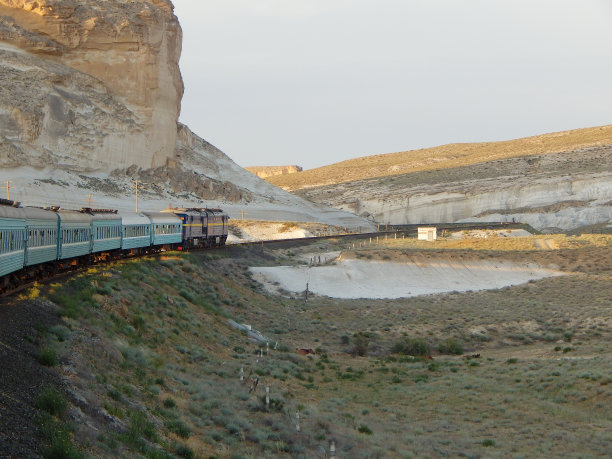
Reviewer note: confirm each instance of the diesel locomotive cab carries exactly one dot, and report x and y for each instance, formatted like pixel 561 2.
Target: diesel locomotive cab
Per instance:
pixel 202 227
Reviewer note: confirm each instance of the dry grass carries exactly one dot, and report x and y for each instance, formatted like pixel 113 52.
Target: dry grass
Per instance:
pixel 444 157
pixel 541 385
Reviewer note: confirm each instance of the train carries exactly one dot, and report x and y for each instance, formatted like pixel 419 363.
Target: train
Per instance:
pixel 38 242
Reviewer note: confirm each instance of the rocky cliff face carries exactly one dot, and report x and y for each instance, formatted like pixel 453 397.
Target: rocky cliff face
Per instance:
pixel 554 191
pixel 90 85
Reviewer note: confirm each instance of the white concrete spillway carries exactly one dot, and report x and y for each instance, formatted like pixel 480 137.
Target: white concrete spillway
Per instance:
pixel 351 279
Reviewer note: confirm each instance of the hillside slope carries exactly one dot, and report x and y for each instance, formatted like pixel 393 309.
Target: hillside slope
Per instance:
pixel 147 358
pixel 445 157
pixel 556 182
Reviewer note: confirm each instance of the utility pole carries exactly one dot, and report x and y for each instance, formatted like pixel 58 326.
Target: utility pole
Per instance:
pixel 89 196
pixel 136 195
pixel 8 190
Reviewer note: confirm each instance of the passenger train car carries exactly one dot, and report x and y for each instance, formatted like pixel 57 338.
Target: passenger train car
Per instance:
pixel 35 242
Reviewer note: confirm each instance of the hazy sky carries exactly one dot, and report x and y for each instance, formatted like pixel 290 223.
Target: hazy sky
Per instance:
pixel 312 82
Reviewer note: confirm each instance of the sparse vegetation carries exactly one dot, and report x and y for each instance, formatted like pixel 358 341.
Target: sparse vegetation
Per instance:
pixel 450 346
pixel 416 347
pixel 169 363
pixel 452 156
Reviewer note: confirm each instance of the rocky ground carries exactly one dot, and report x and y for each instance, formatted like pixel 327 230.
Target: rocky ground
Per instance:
pixel 22 377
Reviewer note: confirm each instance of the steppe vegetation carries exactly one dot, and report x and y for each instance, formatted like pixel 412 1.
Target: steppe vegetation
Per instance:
pixel 452 156
pixel 151 361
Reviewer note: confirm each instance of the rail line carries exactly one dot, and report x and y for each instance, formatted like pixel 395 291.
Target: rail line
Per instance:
pixel 406 230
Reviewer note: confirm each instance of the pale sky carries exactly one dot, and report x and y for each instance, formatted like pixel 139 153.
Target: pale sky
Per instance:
pixel 313 82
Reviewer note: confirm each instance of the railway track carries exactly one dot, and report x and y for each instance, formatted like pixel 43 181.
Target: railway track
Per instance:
pixel 406 230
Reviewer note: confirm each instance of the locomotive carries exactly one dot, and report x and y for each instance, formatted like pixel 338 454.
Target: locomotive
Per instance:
pixel 36 242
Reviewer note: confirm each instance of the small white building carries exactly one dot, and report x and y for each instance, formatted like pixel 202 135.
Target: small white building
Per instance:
pixel 427 233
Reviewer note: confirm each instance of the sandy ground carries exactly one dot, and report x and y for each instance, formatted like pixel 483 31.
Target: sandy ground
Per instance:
pixel 490 233
pixel 350 279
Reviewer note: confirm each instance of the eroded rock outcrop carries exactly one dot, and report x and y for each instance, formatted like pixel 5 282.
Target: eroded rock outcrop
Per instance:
pixel 91 85
pixel 272 171
pixel 563 191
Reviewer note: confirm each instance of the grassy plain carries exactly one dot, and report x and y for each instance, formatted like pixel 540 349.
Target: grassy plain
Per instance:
pixel 524 371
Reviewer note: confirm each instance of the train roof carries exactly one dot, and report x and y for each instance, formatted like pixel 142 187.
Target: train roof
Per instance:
pixel 196 210
pixel 36 213
pixel 133 218
pixel 7 211
pixel 105 217
pixel 160 217
pixel 74 216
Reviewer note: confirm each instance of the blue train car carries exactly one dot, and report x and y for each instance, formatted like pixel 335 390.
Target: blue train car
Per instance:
pixel 75 238
pixel 136 231
pixel 41 236
pixel 12 237
pixel 166 229
pixel 106 230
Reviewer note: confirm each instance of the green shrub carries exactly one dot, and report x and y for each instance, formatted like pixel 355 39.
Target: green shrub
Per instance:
pixel 184 452
pixel 140 427
pixel 361 341
pixel 48 357
pixel 364 429
pixel 416 347
pixel 450 346
pixel 61 333
pixel 488 442
pixel 169 403
pixel 57 437
pixel 52 401
pixel 178 427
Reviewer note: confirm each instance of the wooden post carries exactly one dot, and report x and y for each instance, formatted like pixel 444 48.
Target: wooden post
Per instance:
pixel 267 397
pixel 297 421
pixel 332 450
pixel 8 190
pixel 241 373
pixel 267 348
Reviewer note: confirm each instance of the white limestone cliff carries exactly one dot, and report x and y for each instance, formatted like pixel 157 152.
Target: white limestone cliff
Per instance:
pixel 90 85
